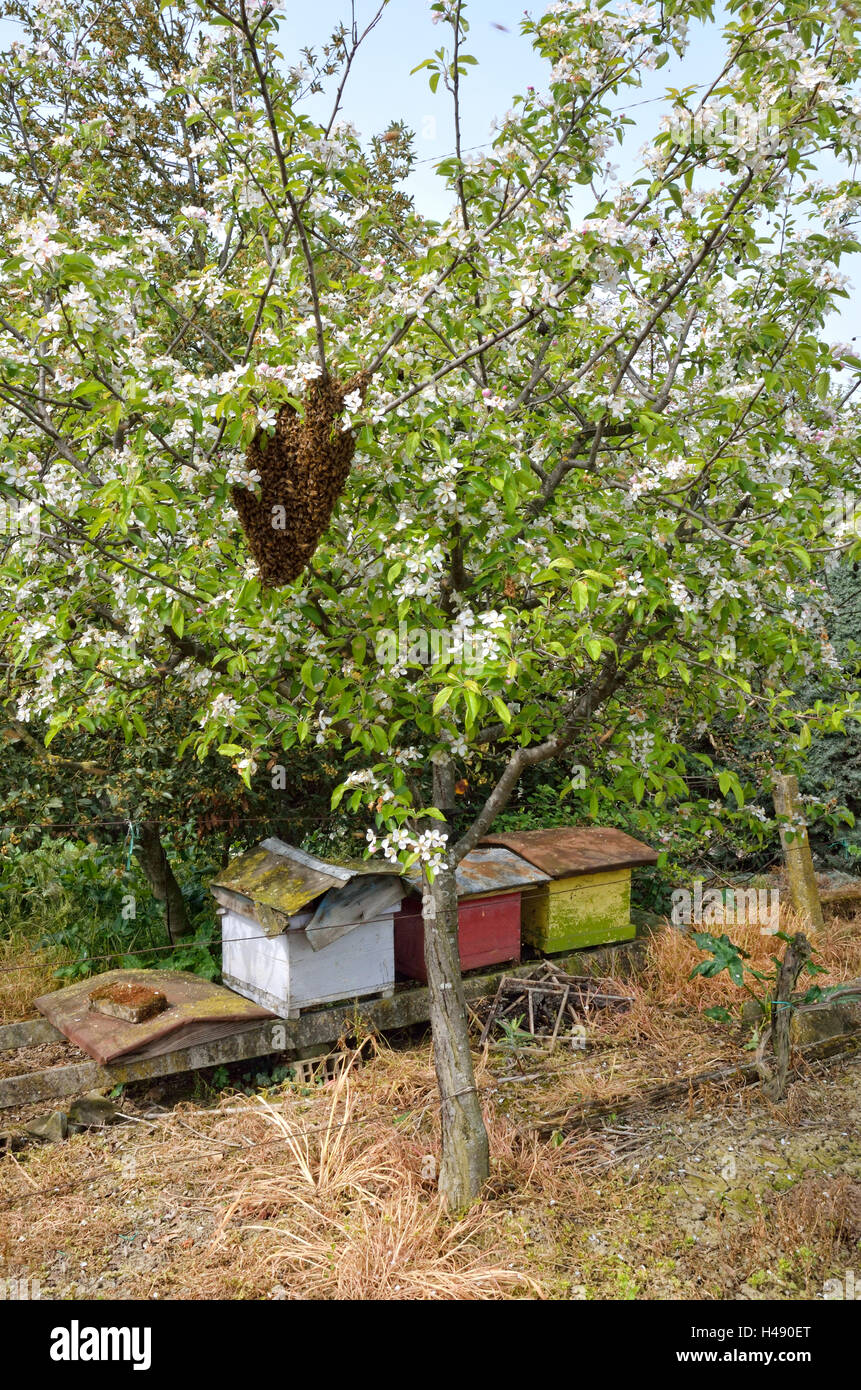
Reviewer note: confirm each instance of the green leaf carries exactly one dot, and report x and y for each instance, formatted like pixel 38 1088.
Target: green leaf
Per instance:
pixel 502 710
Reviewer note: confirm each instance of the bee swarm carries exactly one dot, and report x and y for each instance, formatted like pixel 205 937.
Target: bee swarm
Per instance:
pixel 303 467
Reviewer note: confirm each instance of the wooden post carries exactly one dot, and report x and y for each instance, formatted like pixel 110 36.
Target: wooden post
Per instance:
pixel 803 891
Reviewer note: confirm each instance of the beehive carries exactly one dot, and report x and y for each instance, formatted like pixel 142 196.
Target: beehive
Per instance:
pixel 297 931
pixel 490 882
pixel 587 900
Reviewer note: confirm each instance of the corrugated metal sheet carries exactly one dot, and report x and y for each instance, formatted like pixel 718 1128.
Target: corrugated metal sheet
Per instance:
pixel 576 849
pixel 198 1011
pixel 360 900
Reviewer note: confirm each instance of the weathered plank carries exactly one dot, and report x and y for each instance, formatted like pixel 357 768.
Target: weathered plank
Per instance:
pixel 573 1121
pixel 290 1036
pixel 848 895
pixel 55 1082
pixel 839 1014
pixel 29 1034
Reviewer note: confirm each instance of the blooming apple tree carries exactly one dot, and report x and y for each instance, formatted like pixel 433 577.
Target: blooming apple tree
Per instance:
pixel 594 448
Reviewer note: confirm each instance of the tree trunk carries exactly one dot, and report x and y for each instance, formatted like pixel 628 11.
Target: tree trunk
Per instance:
pixel 465 1165
pixel 156 866
pixel 796 853
pixel 795 957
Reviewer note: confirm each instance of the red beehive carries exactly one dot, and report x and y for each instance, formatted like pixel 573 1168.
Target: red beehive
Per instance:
pixel 489 884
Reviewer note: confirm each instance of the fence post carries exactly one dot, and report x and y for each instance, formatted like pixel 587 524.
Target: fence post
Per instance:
pixel 803 891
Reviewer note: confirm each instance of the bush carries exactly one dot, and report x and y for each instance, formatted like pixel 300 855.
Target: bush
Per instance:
pixel 84 900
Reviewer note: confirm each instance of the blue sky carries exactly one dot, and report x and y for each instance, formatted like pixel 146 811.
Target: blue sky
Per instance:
pixel 381 89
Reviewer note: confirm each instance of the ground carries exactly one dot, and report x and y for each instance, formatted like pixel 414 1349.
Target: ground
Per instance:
pixel 232 1186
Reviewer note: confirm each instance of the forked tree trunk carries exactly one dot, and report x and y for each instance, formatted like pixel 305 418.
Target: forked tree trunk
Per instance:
pixel 160 876
pixel 465 1164
pixel 794 958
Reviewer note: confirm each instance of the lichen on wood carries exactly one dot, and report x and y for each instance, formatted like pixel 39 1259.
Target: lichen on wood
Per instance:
pixel 303 467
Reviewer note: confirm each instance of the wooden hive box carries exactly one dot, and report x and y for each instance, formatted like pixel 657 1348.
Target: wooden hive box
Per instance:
pixel 297 931
pixel 490 881
pixel 587 901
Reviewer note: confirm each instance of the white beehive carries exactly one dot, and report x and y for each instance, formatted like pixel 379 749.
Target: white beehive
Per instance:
pixel 297 931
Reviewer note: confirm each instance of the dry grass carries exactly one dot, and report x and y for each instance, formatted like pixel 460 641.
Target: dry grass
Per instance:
pixel 321 1195
pixel 822 1212
pixel 287 1194
pixel 363 1195
pixel 665 990
pixel 796 1238
pixel 326 1191
pixel 672 955
pixel 665 1035
pixel 25 973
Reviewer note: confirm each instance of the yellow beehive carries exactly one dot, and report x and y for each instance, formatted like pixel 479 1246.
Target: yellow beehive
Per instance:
pixel 587 901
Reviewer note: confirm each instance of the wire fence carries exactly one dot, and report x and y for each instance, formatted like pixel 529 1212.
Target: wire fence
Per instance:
pixel 185 942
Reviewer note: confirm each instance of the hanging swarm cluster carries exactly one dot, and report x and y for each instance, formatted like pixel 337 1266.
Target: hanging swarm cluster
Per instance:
pixel 303 467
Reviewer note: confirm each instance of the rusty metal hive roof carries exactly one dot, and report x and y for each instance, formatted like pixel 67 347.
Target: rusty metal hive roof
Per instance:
pixel 286 879
pixel 492 869
pixel 489 869
pixel 570 850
